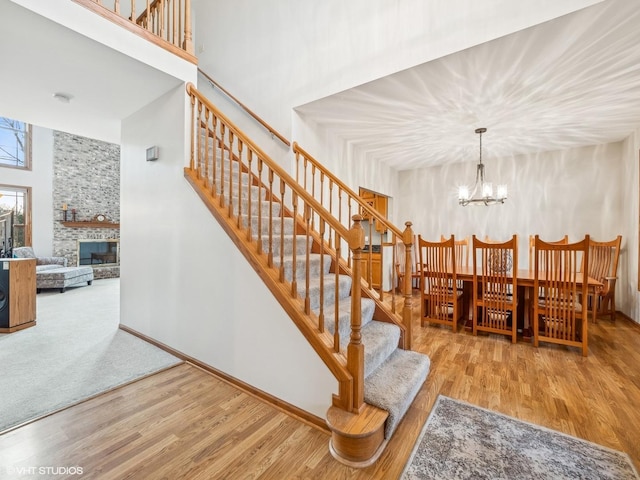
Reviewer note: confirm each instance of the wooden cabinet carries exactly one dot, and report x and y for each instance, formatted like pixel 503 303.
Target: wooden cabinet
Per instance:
pixel 17 294
pixel 376 202
pixel 381 207
pixel 376 270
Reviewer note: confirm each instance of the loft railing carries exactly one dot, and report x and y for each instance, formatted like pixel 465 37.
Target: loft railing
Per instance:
pixel 257 202
pixel 269 128
pixel 342 203
pixel 168 21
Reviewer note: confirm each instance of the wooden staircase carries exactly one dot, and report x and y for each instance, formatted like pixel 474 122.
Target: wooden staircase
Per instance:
pixel 311 262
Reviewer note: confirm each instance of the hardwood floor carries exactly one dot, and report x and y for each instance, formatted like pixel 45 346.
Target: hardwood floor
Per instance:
pixel 186 423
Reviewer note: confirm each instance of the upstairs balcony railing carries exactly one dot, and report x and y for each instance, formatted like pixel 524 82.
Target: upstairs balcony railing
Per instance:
pixel 166 22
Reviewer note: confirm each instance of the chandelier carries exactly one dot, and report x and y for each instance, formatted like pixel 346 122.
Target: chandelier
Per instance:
pixel 482 193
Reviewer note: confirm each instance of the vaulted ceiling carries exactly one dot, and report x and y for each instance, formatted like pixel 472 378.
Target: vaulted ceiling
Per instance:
pixel 569 82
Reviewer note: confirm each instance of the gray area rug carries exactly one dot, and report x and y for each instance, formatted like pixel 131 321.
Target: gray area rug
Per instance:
pixel 460 440
pixel 74 352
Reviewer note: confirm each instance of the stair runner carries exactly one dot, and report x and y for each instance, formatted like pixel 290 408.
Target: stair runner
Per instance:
pixel 393 376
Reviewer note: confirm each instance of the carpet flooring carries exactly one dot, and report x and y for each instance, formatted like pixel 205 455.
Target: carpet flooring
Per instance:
pixel 74 352
pixel 460 440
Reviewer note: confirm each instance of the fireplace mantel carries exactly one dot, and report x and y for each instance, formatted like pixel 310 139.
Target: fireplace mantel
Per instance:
pixel 90 224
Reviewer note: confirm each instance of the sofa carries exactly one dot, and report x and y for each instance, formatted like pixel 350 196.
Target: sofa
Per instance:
pixel 53 272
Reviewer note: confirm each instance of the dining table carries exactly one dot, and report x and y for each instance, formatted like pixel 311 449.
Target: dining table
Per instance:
pixel 525 280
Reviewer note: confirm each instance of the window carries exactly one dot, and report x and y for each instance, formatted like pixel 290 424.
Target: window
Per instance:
pixel 15 143
pixel 15 218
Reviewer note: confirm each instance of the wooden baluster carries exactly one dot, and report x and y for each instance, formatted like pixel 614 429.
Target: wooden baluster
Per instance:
pixel 161 29
pixel 313 186
pixel 133 11
pixel 188 34
pixel 239 190
pixel 229 194
pixel 223 129
pixel 175 41
pixel 116 7
pixel 308 216
pixel 215 145
pixel 148 16
pixel 336 304
pixel 407 239
pixel 199 126
pixel 306 162
pixel 206 145
pixel 259 232
pixel 249 185
pixel 340 214
pixel 270 250
pixel 194 128
pixel 349 216
pixel 331 197
pixel 322 225
pixel 294 199
pixel 297 159
pixel 355 349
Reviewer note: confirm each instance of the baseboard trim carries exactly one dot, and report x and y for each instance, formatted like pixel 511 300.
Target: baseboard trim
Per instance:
pixel 628 319
pixel 298 413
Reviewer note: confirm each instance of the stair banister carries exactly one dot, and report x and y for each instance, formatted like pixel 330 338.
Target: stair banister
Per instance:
pixel 349 374
pixel 303 160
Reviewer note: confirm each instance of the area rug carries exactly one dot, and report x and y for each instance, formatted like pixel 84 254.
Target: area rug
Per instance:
pixel 460 440
pixel 75 351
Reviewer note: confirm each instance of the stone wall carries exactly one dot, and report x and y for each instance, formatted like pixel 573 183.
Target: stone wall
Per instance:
pixel 86 177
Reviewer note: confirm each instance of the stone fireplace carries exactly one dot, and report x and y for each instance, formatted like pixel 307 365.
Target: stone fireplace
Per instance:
pixel 86 203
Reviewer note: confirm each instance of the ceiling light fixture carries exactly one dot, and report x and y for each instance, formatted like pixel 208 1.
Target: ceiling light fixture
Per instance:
pixel 483 189
pixel 62 97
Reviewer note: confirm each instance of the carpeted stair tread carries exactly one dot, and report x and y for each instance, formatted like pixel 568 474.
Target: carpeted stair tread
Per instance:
pixel 276 223
pixel 395 383
pixel 287 243
pixel 380 339
pixel 344 289
pixel 367 307
pixel 315 266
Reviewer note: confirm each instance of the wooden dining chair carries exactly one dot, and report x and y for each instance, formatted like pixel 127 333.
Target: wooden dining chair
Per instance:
pixel 495 287
pixel 560 314
pixel 603 266
pixel 462 251
pixel 441 301
pixel 532 238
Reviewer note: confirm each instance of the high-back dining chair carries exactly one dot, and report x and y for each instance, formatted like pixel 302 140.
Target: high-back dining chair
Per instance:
pixel 560 314
pixel 603 266
pixel 495 287
pixel 440 301
pixel 462 251
pixel 532 239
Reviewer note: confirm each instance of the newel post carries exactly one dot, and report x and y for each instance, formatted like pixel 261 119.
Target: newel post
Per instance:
pixel 355 349
pixel 407 309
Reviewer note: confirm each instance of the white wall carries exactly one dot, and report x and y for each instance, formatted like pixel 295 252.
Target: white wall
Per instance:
pixel 628 271
pixel 274 55
pixel 575 192
pixel 40 179
pixel 185 284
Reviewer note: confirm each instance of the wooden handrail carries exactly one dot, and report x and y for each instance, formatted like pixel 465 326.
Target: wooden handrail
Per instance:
pixel 226 166
pixel 270 129
pixel 330 190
